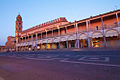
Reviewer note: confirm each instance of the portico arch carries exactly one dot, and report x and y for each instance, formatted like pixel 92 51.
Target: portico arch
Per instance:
pixel 83 40
pixel 111 33
pixel 71 41
pixel 97 39
pixel 112 38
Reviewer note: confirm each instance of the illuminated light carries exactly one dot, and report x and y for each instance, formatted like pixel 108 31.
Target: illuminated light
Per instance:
pixel 38 47
pixel 48 46
pixel 97 45
pixel 96 41
pixel 43 46
pixel 29 49
pixel 54 46
pixel 58 27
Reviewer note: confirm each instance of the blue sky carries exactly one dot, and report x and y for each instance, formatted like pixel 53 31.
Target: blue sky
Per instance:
pixel 35 12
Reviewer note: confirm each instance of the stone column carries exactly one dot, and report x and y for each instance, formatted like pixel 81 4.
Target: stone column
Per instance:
pixel 52 32
pixel 87 26
pixel 25 39
pixel 46 38
pixel 117 19
pixel 77 39
pixel 17 48
pixel 89 35
pixel 52 38
pixel 36 38
pixel 67 38
pixel 26 43
pixel 22 42
pixel 41 39
pixel 117 23
pixel 59 34
pixel 103 32
pixel 32 41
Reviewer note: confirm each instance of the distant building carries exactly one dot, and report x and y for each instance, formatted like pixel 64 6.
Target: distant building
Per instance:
pixel 10 44
pixel 96 31
pixel 2 49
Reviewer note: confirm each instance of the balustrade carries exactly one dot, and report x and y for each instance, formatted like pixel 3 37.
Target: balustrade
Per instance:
pixel 69 34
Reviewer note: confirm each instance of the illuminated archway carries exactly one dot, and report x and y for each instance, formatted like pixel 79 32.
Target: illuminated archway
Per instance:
pixel 97 39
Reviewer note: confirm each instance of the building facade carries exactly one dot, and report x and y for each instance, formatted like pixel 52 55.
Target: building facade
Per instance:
pixel 96 31
pixel 10 44
pixel 2 49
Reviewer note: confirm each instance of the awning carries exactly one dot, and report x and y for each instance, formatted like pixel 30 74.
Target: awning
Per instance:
pixel 97 35
pixel 21 44
pixel 83 36
pixel 57 39
pixel 30 43
pixel 24 44
pixel 63 38
pixel 111 33
pixel 49 40
pixel 44 41
pixel 34 43
pixel 39 41
pixel 72 37
pixel 27 43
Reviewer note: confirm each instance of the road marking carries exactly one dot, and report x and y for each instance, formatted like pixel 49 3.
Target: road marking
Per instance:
pixel 2 78
pixel 65 60
pixel 47 59
pixel 95 58
pixel 98 64
pixel 107 59
pixel 39 59
pixel 67 55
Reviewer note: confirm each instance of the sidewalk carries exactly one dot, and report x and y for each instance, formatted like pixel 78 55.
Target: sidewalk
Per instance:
pixel 83 49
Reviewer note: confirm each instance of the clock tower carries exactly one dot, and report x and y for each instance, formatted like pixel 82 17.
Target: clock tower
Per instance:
pixel 18 27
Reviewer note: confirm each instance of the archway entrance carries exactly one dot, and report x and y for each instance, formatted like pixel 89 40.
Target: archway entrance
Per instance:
pixel 112 38
pixel 97 39
pixel 83 42
pixel 97 42
pixel 71 44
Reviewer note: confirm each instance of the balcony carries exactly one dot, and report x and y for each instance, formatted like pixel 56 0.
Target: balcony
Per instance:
pixel 68 36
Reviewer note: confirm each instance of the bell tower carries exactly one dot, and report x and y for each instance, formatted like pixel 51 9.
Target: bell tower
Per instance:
pixel 18 28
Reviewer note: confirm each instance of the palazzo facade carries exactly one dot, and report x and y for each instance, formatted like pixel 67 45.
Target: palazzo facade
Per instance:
pixel 96 31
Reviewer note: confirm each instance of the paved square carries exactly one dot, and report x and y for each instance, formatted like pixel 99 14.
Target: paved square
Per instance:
pixel 69 65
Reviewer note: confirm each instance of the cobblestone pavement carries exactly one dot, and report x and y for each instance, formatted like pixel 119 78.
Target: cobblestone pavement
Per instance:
pixel 60 65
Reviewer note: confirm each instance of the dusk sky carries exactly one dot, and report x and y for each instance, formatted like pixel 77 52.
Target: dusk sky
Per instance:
pixel 35 12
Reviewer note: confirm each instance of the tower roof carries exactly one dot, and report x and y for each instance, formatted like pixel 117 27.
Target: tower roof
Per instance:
pixel 18 17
